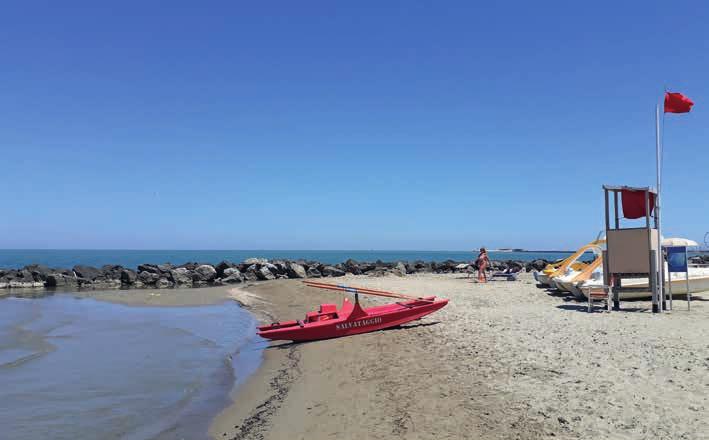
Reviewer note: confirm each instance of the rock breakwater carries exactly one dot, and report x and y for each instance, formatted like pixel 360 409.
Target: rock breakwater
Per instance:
pixel 203 274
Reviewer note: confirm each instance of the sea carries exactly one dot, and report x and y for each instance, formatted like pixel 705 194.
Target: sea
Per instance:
pixel 17 258
pixel 73 368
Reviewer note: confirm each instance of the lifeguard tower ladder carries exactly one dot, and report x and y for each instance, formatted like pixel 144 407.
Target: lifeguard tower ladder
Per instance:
pixel 632 252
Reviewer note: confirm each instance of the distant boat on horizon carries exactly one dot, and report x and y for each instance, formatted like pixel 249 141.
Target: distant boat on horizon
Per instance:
pixel 526 251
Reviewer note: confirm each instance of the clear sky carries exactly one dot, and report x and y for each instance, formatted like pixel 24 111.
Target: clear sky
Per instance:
pixel 343 125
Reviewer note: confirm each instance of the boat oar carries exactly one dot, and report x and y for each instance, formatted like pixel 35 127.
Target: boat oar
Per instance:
pixel 364 291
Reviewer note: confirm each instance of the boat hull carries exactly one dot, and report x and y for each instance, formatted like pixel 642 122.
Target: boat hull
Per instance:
pixel 542 278
pixel 575 289
pixel 679 288
pixel 372 319
pixel 564 286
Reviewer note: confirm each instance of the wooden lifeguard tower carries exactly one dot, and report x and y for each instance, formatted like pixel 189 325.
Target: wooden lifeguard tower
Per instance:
pixel 632 252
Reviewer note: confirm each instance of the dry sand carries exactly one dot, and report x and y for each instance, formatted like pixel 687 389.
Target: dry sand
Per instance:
pixel 504 360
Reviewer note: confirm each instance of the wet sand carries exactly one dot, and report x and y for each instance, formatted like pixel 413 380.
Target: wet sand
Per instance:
pixel 503 360
pixel 160 297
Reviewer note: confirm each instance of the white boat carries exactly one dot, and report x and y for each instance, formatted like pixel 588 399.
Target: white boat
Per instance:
pixel 594 279
pixel 541 278
pixel 698 282
pixel 577 273
pixel 546 276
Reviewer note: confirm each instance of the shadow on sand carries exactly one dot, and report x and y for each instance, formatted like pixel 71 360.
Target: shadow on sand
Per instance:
pixel 286 345
pixel 583 307
pixel 559 294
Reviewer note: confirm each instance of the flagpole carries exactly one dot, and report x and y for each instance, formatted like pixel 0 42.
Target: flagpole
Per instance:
pixel 657 297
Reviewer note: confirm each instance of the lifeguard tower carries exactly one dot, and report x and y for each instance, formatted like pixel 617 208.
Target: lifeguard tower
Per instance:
pixel 632 252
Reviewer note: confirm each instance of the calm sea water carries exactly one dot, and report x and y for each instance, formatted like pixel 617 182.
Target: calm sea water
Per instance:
pixel 79 368
pixel 12 258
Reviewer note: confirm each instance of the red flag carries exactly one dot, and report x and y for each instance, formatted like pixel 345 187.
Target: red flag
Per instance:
pixel 677 103
pixel 634 203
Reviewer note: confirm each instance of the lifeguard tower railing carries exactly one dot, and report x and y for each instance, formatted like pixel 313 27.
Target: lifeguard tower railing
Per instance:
pixel 631 252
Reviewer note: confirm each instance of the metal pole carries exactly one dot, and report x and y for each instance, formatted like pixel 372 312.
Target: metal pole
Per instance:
pixel 661 264
pixel 652 257
pixel 689 296
pixel 669 285
pixel 608 222
pixel 669 277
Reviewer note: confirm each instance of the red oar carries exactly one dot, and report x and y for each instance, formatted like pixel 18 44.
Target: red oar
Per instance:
pixel 343 288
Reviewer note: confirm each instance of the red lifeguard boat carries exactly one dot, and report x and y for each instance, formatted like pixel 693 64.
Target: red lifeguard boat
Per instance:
pixel 351 319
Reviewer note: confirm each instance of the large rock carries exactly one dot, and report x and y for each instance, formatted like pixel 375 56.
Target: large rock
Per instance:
pixel 8 275
pixel 205 272
pixel 265 273
pixel 221 267
pixel 39 272
pixel 281 268
pixel 516 266
pixel 425 267
pixel 400 269
pixel 295 270
pixel 24 276
pixel 59 280
pixel 152 268
pixel 231 272
pixel 87 272
pixel 83 282
pixel 537 265
pixel 497 265
pixel 182 276
pixel 111 272
pixel 250 275
pixel 352 267
pixel 366 267
pixel 272 267
pixel 165 268
pixel 128 276
pixel 232 275
pixel 163 283
pixel 331 271
pixel 447 266
pixel 149 278
pixel 313 273
pixel 189 265
pixel 250 261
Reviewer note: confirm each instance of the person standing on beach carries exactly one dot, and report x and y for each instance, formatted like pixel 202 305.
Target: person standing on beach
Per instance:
pixel 482 262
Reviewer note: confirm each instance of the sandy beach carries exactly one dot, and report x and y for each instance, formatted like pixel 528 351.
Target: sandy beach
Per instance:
pixel 503 360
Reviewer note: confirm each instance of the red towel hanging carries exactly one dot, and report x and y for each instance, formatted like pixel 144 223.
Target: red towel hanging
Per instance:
pixel 634 203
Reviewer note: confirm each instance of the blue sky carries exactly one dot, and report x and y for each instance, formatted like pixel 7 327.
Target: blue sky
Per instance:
pixel 325 125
